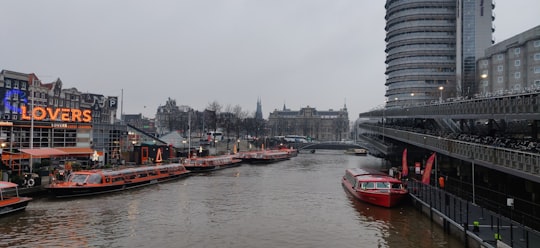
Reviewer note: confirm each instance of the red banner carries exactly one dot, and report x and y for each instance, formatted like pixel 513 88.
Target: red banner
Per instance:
pixel 427 170
pixel 404 167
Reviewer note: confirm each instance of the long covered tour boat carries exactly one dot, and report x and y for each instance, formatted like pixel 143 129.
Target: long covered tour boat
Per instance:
pixel 374 187
pixel 268 156
pixel 211 163
pixel 92 182
pixel 10 201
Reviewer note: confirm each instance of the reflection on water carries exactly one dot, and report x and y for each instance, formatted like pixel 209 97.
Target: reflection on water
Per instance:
pixel 296 203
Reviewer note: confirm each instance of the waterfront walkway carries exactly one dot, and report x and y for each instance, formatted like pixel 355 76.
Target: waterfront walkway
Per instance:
pixel 488 228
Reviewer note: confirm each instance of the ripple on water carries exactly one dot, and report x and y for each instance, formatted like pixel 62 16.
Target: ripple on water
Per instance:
pixel 296 203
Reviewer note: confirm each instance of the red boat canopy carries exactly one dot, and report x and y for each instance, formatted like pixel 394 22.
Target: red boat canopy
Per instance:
pixel 5 185
pixel 43 152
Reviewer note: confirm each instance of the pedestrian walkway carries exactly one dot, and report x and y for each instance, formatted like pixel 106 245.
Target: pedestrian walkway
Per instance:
pixel 488 228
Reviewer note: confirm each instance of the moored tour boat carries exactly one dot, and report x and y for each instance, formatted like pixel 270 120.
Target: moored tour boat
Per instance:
pixel 211 163
pixel 357 151
pixel 92 182
pixel 10 201
pixel 374 187
pixel 268 156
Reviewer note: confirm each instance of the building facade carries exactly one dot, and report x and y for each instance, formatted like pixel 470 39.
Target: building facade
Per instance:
pixel 325 125
pixel 171 117
pixel 432 48
pixel 511 66
pixel 37 115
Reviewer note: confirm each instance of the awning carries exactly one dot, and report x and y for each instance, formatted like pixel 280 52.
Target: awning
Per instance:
pixel 60 151
pixel 76 150
pixel 43 152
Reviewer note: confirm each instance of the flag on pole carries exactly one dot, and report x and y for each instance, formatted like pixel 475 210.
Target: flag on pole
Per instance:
pixel 427 170
pixel 404 166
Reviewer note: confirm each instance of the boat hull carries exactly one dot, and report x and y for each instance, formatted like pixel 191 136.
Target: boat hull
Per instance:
pixel 71 189
pixel 195 169
pixel 212 163
pixel 383 199
pixel 268 156
pixel 374 187
pixel 14 206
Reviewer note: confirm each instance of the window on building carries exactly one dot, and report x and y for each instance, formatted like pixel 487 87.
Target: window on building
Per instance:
pixel 517 50
pixel 500 68
pixel 537 43
pixel 500 57
pixel 485 62
pixel 500 80
pixel 8 83
pixel 537 69
pixel 16 84
pixel 517 74
pixel 517 62
pixel 537 83
pixel 537 56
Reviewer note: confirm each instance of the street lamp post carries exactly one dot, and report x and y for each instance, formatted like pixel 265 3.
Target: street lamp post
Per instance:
pixel 473 186
pixel 441 88
pixel 184 142
pixel 484 83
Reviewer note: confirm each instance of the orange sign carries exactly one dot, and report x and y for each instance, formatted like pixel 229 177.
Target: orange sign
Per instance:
pixel 63 114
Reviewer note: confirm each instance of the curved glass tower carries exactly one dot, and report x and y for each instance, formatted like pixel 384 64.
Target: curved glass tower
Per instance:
pixel 424 47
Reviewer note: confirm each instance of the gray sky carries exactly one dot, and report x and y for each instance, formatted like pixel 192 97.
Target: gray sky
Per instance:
pixel 321 53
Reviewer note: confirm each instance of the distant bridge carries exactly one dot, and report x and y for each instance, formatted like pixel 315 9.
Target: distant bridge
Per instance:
pixel 327 145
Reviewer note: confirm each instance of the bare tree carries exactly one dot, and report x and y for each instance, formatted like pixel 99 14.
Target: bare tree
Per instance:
pixel 239 115
pixel 213 109
pixel 214 106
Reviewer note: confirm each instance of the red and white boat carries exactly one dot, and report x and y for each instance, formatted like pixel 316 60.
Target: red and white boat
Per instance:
pixel 10 201
pixel 374 187
pixel 211 163
pixel 93 182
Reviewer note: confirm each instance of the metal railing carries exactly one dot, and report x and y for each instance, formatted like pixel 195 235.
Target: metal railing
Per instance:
pixel 523 164
pixel 487 225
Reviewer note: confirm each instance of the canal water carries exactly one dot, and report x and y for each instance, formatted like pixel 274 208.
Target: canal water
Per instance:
pixel 296 203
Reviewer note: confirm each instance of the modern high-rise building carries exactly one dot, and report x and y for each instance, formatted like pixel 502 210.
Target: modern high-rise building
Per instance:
pixel 432 47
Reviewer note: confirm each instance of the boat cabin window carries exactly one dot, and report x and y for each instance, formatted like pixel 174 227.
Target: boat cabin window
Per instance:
pixel 396 186
pixel 94 179
pixel 383 185
pixel 116 179
pixel 370 185
pixel 78 178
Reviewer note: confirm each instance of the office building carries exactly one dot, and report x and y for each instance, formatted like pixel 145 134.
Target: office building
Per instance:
pixel 511 66
pixel 432 48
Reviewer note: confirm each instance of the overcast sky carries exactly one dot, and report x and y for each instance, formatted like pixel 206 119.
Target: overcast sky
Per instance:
pixel 321 53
